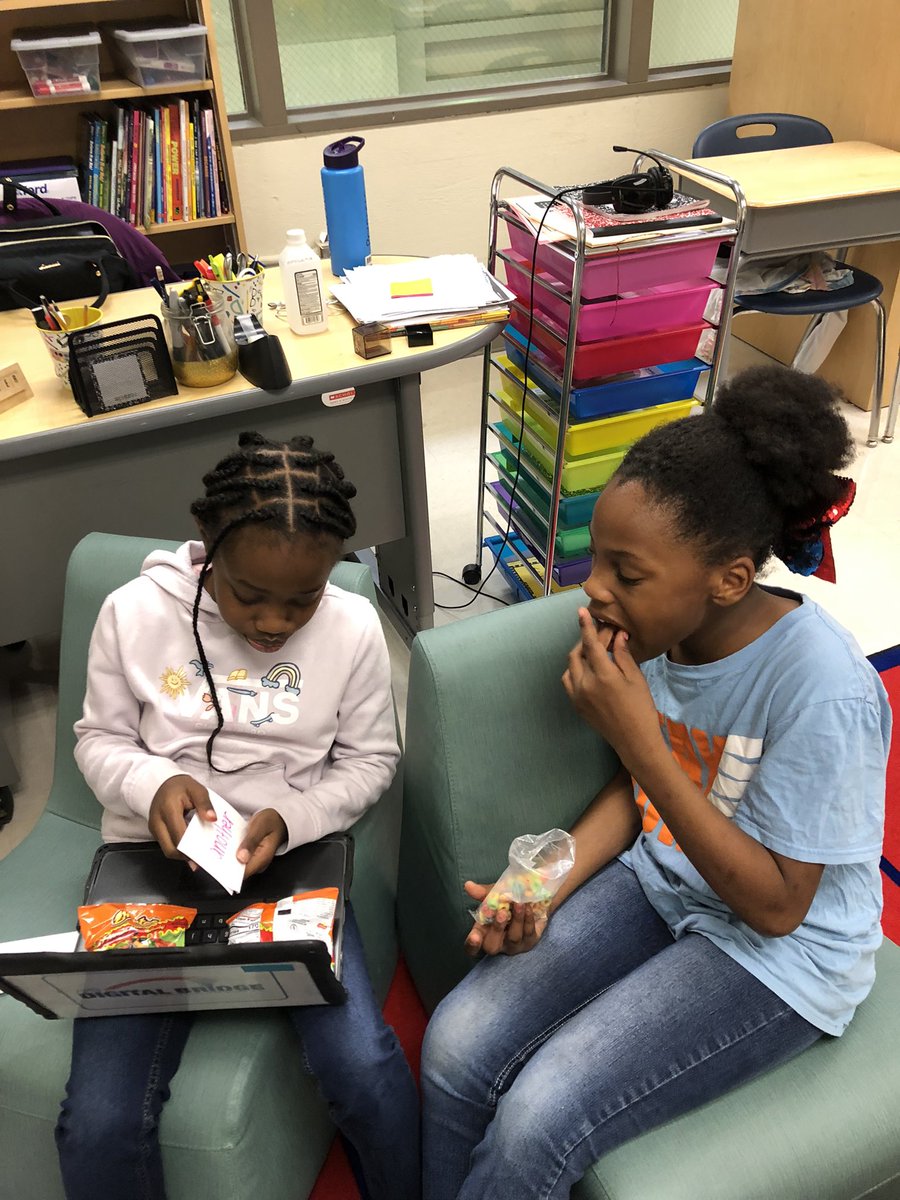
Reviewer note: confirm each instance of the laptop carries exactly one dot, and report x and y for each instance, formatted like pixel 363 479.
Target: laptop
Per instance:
pixel 208 972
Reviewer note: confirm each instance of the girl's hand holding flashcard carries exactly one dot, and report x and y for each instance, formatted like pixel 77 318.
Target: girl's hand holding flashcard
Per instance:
pixel 609 692
pixel 265 833
pixel 174 803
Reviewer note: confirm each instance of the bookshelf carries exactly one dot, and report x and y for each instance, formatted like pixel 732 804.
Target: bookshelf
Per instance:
pixel 32 127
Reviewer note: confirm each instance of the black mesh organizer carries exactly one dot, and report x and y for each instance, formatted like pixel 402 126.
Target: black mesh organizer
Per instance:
pixel 119 364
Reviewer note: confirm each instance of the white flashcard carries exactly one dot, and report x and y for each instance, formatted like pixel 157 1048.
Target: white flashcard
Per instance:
pixel 63 943
pixel 214 845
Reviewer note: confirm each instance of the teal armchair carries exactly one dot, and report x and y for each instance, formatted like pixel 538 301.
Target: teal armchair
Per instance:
pixel 493 750
pixel 243 1120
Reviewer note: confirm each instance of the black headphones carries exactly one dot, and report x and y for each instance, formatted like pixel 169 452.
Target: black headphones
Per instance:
pixel 638 193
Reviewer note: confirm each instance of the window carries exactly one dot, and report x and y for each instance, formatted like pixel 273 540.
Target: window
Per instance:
pixel 692 31
pixel 317 64
pixel 380 49
pixel 229 62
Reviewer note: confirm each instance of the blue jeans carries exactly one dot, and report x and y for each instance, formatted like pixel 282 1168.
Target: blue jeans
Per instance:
pixel 108 1131
pixel 537 1065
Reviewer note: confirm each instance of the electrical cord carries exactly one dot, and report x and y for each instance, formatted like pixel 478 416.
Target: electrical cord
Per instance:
pixel 462 584
pixel 557 196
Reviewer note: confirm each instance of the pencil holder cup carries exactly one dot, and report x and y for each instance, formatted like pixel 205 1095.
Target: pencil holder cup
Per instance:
pixel 239 295
pixel 201 343
pixel 76 316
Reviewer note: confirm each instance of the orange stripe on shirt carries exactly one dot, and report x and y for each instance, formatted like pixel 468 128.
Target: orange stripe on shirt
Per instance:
pixel 685 751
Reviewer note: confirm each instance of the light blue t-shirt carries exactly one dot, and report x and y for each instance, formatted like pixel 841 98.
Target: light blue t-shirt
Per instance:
pixel 789 737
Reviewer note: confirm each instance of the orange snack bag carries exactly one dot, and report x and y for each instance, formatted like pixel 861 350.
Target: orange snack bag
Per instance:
pixel 133 926
pixel 252 924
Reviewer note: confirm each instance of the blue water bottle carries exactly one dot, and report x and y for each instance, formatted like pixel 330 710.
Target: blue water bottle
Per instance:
pixel 346 216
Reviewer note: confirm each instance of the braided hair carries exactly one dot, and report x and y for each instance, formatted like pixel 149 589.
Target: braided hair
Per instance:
pixel 755 474
pixel 290 488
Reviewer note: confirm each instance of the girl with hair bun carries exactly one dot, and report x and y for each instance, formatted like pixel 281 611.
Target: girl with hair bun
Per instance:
pixel 724 908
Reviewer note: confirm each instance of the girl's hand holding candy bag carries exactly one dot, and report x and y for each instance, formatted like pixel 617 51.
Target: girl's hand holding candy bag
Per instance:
pixel 512 915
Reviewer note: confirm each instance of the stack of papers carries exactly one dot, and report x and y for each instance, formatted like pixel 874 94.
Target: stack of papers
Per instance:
pixel 604 228
pixel 427 289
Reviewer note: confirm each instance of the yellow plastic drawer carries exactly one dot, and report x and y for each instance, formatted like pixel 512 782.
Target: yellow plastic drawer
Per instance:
pixel 590 437
pixel 585 474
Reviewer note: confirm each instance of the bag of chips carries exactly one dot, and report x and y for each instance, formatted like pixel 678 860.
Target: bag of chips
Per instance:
pixel 293 918
pixel 252 924
pixel 133 926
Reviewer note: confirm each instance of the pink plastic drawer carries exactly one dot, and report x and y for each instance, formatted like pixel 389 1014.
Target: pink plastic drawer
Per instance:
pixel 671 306
pixel 611 356
pixel 627 271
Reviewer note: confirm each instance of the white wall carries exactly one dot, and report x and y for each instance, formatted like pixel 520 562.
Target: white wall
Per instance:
pixel 428 184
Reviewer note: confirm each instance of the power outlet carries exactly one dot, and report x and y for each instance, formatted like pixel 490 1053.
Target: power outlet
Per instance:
pixel 13 386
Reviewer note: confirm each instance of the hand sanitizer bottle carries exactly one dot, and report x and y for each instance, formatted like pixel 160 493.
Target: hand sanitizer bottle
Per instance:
pixel 301 279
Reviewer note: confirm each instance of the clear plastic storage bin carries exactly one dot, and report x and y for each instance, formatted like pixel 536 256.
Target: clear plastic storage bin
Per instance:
pixel 64 63
pixel 162 54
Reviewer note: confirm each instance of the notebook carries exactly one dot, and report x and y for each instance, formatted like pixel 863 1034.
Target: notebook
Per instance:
pixel 207 973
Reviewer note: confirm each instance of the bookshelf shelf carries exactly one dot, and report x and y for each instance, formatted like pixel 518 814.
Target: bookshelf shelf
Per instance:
pixel 39 127
pixel 31 5
pixel 113 89
pixel 176 226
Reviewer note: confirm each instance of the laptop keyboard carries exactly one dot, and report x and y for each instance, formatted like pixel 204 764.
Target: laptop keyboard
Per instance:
pixel 207 928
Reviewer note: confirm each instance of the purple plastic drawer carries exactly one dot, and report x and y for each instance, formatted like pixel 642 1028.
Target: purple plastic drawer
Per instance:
pixel 669 306
pixel 627 271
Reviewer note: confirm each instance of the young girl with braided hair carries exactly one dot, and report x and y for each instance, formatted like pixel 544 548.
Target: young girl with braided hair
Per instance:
pixel 723 910
pixel 234 664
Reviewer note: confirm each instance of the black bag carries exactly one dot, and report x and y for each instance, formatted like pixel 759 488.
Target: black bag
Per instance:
pixel 57 257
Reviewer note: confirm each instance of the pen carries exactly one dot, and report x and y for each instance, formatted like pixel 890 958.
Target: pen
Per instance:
pixel 159 284
pixel 449 323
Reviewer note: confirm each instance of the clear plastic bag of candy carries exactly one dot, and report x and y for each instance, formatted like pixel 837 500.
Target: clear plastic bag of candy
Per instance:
pixel 538 863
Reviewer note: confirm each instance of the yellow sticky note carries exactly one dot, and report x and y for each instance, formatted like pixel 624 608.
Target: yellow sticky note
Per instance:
pixel 411 287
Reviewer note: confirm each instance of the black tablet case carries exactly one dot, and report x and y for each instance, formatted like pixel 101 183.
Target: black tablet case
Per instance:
pixel 138 872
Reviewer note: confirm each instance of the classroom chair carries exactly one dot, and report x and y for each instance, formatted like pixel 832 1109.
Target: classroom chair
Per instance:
pixel 790 131
pixel 891 421
pixel 493 750
pixel 243 1120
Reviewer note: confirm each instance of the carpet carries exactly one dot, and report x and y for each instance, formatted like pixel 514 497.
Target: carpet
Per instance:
pixel 888 666
pixel 404 1010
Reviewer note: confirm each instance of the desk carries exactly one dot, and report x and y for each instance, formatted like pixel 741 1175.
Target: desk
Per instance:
pixel 136 471
pixel 803 199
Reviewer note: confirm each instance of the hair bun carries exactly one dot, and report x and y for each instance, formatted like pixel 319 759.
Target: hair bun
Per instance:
pixel 790 430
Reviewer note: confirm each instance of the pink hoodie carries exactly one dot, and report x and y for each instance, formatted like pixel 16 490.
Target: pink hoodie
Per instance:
pixel 314 730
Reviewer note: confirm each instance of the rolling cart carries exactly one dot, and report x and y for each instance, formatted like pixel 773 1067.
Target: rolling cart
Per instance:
pixel 615 338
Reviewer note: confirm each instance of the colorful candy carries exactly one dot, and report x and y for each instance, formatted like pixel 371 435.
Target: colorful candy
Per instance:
pixel 538 863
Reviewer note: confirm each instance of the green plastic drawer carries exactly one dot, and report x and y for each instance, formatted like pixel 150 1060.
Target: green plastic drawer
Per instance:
pixel 578 475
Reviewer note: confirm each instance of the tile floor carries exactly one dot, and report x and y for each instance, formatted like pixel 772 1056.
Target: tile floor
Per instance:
pixel 864 599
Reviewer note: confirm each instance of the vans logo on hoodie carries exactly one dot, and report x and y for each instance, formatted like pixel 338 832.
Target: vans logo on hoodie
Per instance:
pixel 273 699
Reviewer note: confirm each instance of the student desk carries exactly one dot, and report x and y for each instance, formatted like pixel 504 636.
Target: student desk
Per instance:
pixel 137 470
pixel 801 199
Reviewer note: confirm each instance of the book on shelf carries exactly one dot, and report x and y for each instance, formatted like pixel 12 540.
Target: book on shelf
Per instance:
pixel 154 164
pixel 54 178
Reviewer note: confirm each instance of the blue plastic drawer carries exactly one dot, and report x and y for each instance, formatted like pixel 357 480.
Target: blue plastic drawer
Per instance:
pixel 619 394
